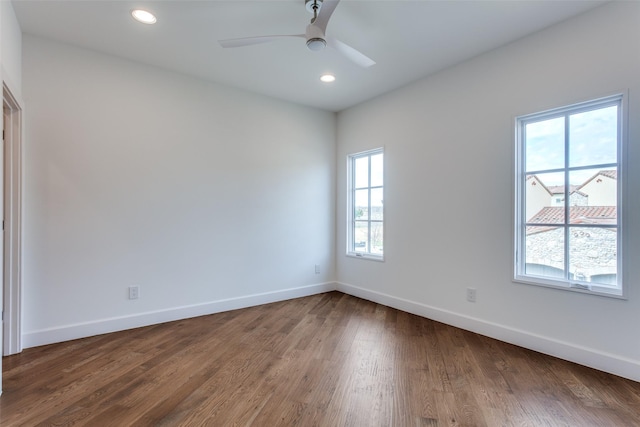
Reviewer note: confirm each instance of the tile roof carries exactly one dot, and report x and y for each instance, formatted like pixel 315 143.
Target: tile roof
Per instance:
pixel 578 215
pixel 610 173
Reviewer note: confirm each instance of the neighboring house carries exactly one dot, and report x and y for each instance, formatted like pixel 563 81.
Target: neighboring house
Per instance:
pixel 601 188
pixel 576 197
pixel 537 194
pixel 540 195
pixel 593 250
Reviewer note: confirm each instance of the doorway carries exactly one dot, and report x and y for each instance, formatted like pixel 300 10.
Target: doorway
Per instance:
pixel 12 225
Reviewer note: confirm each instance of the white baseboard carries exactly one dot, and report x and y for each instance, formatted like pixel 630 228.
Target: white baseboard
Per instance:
pixel 610 363
pixel 103 326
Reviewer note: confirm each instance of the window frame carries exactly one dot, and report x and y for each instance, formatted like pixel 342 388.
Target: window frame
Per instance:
pixel 351 221
pixel 520 220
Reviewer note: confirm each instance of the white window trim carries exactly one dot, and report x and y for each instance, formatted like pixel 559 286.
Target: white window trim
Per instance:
pixel 350 182
pixel 619 291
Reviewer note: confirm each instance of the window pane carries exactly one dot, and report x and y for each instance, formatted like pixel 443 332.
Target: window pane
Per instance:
pixel 361 205
pixel 544 145
pixel 594 196
pixel 545 198
pixel 361 171
pixel 376 204
pixel 593 254
pixel 361 236
pixel 377 170
pixel 376 237
pixel 544 252
pixel 593 137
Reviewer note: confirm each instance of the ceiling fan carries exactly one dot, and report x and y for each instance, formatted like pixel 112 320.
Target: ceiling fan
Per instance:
pixel 314 35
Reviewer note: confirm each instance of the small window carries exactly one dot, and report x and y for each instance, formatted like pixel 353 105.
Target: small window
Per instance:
pixel 366 197
pixel 575 241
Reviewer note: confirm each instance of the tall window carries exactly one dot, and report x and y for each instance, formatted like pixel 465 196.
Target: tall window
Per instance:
pixel 366 195
pixel 568 185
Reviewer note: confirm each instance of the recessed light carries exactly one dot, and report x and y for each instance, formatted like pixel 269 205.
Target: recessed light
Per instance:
pixel 143 16
pixel 328 78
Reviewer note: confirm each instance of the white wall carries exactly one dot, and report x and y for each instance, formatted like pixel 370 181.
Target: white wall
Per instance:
pixel 11 48
pixel 207 197
pixel 449 143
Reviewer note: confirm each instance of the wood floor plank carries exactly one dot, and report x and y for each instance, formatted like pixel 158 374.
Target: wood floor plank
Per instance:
pixel 323 360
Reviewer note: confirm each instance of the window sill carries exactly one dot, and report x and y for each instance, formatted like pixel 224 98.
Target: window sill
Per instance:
pixel 370 257
pixel 602 291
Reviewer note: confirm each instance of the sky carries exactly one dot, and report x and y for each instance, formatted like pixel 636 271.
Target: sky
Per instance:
pixel 362 179
pixel 593 137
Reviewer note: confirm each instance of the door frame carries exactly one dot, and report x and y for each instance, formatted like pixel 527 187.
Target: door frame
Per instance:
pixel 12 304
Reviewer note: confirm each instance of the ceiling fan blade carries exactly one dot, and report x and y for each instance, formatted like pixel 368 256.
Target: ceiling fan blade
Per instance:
pixel 326 10
pixel 354 55
pixel 248 41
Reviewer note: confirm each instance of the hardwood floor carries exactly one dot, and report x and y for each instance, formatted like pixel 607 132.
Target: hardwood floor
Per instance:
pixel 324 360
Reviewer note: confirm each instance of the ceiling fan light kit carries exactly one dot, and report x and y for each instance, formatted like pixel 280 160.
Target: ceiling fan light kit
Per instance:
pixel 316 44
pixel 314 35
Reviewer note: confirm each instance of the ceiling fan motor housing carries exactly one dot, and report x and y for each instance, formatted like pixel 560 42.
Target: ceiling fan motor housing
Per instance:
pixel 315 38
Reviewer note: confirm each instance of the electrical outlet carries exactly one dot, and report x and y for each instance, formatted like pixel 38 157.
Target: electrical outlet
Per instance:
pixel 471 294
pixel 134 292
pixel 317 268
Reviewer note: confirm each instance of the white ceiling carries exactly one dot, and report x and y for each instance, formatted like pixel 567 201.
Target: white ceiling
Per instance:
pixel 407 39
